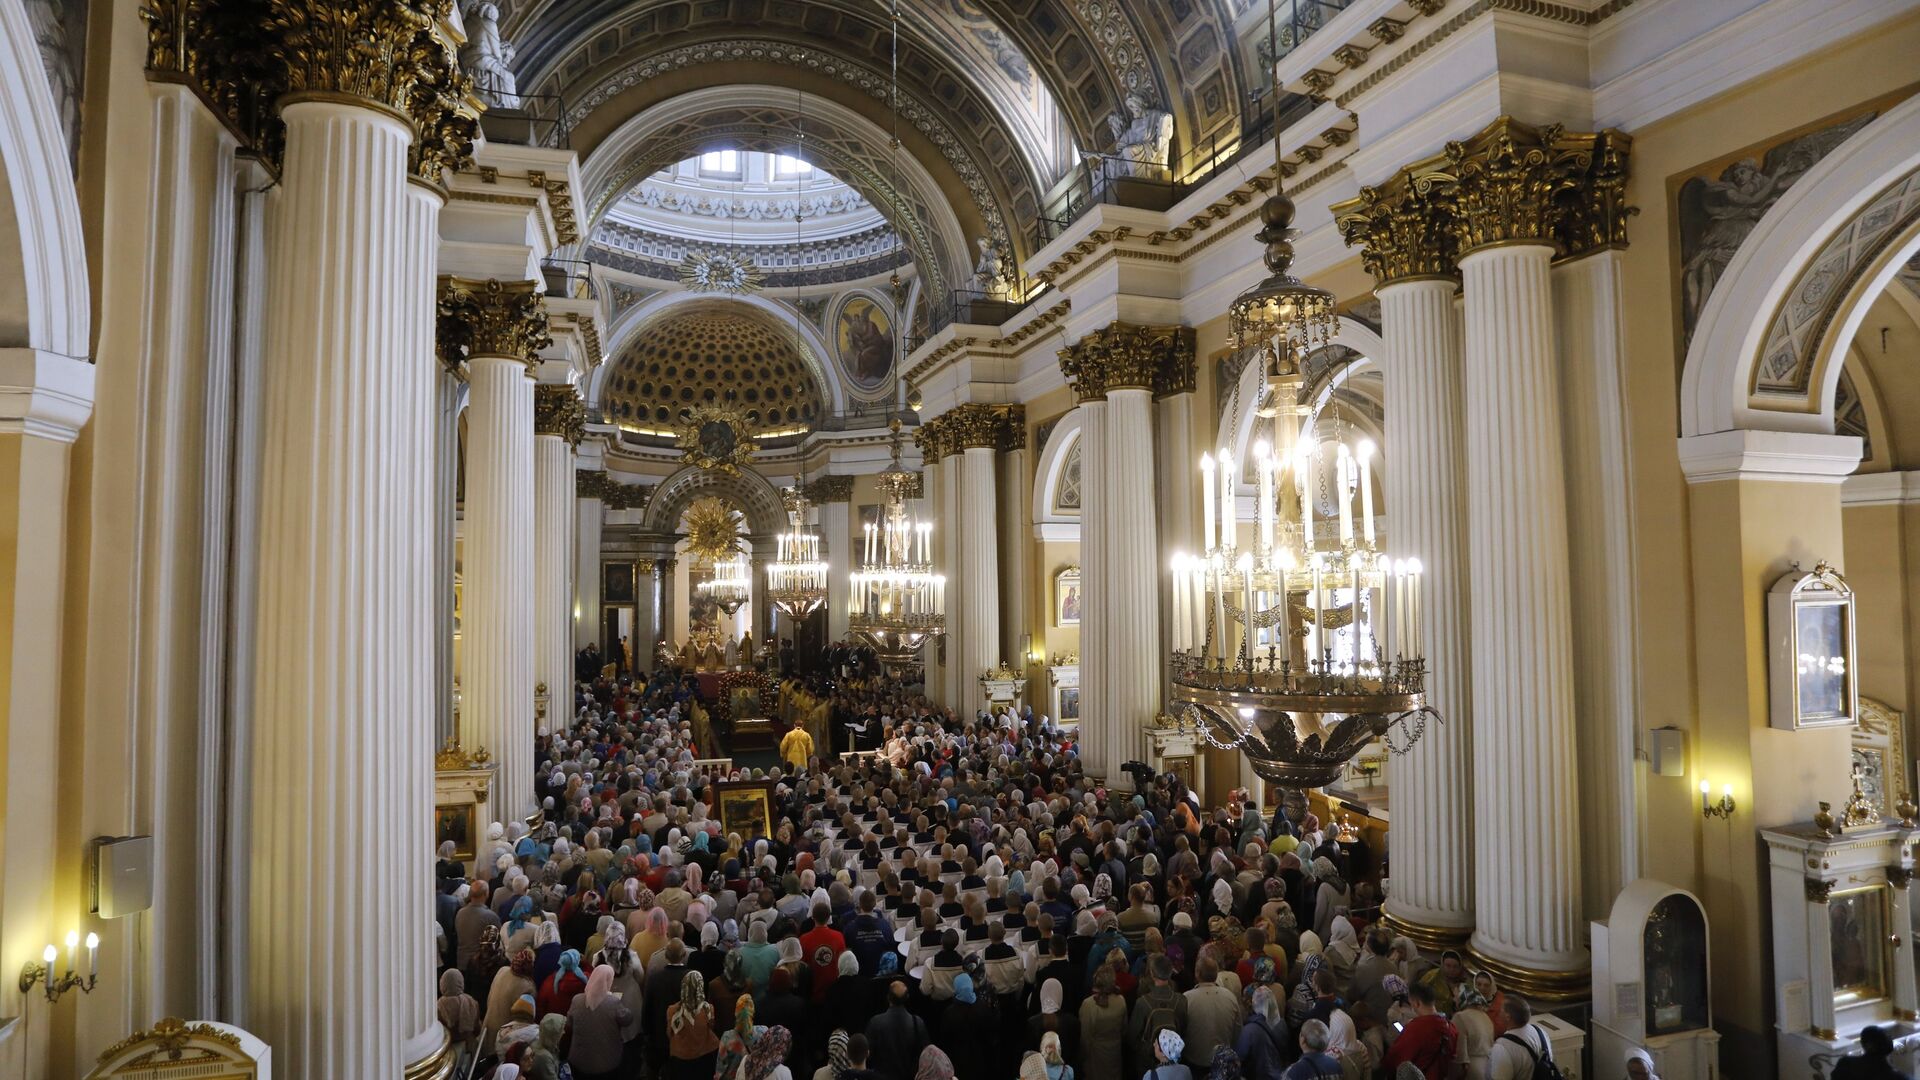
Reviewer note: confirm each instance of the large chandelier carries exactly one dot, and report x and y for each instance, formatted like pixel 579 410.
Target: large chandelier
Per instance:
pixel 1297 650
pixel 897 603
pixel 731 584
pixel 797 578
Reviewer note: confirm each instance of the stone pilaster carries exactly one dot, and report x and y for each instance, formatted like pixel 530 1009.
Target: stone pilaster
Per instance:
pixel 559 422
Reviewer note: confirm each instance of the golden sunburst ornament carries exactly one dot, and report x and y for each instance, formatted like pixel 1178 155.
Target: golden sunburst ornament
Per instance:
pixel 712 533
pixel 713 438
pixel 720 271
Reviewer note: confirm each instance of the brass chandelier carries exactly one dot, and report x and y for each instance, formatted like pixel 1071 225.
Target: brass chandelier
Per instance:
pixel 1294 649
pixel 797 578
pixel 898 601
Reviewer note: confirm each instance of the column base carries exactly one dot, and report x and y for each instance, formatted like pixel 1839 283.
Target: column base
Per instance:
pixel 1433 939
pixel 438 1065
pixel 1550 987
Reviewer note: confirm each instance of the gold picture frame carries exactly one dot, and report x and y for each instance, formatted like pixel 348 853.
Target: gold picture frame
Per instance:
pixel 745 807
pixel 1066 597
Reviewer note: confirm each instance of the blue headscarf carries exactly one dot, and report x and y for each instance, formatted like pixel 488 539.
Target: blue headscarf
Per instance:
pixel 700 840
pixel 889 963
pixel 1017 883
pixel 570 961
pixel 963 988
pixel 517 917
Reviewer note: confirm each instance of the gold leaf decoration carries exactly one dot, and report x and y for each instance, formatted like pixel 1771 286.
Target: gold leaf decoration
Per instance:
pixel 712 533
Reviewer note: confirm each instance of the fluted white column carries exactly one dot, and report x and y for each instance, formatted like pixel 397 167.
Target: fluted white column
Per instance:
pixel 496 693
pixel 1528 853
pixel 978 583
pixel 1589 316
pixel 1096 706
pixel 553 559
pixel 587 578
pixel 950 528
pixel 842 552
pixel 1131 576
pixel 452 394
pixel 347 399
pixel 1015 534
pixel 1432 894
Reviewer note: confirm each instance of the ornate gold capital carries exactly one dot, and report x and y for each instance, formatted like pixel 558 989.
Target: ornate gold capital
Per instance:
pixel 220 53
pixel 935 439
pixel 371 50
pixel 1510 183
pixel 594 484
pixel 445 119
pixel 976 426
pixel 830 489
pixel 1083 364
pixel 1156 358
pixel 557 411
pixel 491 318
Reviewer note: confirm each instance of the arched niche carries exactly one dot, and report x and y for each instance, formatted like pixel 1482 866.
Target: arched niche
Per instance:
pixel 44 302
pixel 1652 981
pixel 1771 339
pixel 751 493
pixel 1062 449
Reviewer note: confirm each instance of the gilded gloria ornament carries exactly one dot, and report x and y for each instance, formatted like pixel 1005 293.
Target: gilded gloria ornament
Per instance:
pixel 713 533
pixel 720 271
pixel 716 439
pixel 491 318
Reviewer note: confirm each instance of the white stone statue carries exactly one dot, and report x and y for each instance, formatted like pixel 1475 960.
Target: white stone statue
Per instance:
pixel 988 277
pixel 1142 137
pixel 489 58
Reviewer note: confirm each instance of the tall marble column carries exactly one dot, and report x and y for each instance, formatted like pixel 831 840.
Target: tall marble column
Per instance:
pixel 1527 906
pixel 340 718
pixel 834 496
pixel 452 394
pixel 1432 895
pixel 1083 366
pixel 559 421
pixel 979 433
pixel 663 615
pixel 500 327
pixel 590 519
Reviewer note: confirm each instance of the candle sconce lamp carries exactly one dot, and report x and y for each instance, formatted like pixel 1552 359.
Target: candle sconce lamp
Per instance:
pixel 55 986
pixel 1722 809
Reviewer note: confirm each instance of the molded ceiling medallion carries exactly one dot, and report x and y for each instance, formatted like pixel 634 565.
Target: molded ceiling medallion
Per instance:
pixel 720 271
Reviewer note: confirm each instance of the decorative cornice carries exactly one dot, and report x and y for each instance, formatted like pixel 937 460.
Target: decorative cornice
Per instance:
pixel 831 489
pixel 595 484
pixel 1509 183
pixel 491 318
pixel 557 410
pixel 559 203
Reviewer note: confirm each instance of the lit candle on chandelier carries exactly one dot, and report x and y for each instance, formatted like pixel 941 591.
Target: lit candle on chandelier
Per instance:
pixel 1206 497
pixel 1303 478
pixel 1364 455
pixel 1227 538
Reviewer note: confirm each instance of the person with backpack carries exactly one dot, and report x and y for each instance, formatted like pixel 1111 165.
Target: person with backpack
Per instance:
pixel 1428 1041
pixel 1159 1008
pixel 1524 1052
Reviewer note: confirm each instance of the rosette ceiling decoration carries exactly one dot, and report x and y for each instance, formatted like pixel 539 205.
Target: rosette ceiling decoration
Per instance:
pixel 996 98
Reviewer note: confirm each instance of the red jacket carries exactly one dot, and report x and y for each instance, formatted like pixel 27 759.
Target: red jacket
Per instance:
pixel 1429 1042
pixel 821 947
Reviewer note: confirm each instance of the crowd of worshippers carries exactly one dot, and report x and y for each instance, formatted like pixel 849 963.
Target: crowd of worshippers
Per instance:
pixel 964 905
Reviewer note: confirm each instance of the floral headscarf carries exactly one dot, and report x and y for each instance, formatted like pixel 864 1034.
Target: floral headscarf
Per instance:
pixel 523 963
pixel 1471 996
pixel 768 1052
pixel 837 1051
pixel 1171 1044
pixel 934 1065
pixel 1226 1065
pixel 693 1002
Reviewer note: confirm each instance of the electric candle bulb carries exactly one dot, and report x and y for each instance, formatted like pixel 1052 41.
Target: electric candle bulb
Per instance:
pixel 50 954
pixel 1206 497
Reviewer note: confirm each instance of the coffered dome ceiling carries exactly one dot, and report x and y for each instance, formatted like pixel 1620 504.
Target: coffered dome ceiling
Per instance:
pixel 718 357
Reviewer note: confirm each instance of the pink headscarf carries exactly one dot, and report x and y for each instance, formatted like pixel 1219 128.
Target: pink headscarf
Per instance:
pixel 599 985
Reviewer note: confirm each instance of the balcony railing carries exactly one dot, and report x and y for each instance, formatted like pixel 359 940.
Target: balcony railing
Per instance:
pixel 541 120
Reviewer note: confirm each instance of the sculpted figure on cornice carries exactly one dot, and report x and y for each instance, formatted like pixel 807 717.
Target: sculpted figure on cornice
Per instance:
pixel 989 277
pixel 1142 136
pixel 489 57
pixel 653 196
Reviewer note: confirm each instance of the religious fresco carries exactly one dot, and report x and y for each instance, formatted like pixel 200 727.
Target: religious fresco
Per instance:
pixel 703 612
pixel 863 340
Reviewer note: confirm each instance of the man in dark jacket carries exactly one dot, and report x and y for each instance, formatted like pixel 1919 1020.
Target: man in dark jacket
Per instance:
pixel 897 1036
pixel 663 989
pixel 1876 1046
pixel 870 935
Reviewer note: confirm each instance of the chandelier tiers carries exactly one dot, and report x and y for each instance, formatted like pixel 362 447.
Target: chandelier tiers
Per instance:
pixel 898 601
pixel 731 584
pixel 797 579
pixel 1259 664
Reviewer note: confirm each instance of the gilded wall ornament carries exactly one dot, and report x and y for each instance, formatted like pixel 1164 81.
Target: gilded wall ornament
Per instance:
pixel 1402 233
pixel 1083 363
pixel 595 484
pixel 720 271
pixel 713 534
pixel 557 410
pixel 975 426
pixel 444 118
pixel 830 489
pixel 1156 358
pixel 935 439
pixel 452 756
pixel 371 50
pixel 491 318
pixel 715 439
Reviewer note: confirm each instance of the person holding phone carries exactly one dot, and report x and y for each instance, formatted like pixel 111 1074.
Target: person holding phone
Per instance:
pixel 1428 1041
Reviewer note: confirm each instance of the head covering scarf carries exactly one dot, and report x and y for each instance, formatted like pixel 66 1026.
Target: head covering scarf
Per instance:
pixel 599 985
pixel 1471 996
pixel 1171 1044
pixel 693 998
pixel 934 1065
pixel 1051 996
pixel 523 963
pixel 963 988
pixel 1226 1064
pixel 837 1051
pixel 1634 1054
pixel 768 1052
pixel 570 964
pixel 518 915
pixel 1033 1067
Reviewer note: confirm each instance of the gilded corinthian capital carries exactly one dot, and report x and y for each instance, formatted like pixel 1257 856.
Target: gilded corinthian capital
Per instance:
pixel 491 318
pixel 934 438
pixel 557 411
pixel 976 426
pixel 1510 183
pixel 831 489
pixel 1083 363
pixel 368 50
pixel 444 117
pixel 1156 358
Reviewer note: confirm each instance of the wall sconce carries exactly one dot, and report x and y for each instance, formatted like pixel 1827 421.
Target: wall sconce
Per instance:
pixel 42 972
pixel 1721 809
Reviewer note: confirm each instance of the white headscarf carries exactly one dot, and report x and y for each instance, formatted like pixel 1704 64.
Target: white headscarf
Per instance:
pixel 1634 1054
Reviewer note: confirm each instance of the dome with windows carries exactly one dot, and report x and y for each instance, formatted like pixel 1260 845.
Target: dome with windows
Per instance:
pixel 792 223
pixel 713 358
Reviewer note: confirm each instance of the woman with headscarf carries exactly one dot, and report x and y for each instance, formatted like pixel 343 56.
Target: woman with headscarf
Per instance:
pixel 969 1032
pixel 691 1044
pixel 1054 1058
pixel 758 958
pixel 1262 1044
pixel 768 1058
pixel 709 959
pixel 1103 1029
pixel 1343 951
pixel 1052 1018
pixel 1330 898
pixel 582 923
pixel 597 1020
pixel 628 977
pixel 933 1065
pixel 652 936
pixel 1302 1000
pixel 784 1006
pixel 508 987
pixel 567 982
pixel 486 961
pixel 518 931
pixel 1225 1066
pixel 458 1012
pixel 851 1001
pixel 736 1041
pixel 1167 1048
pixel 543 1058
pixel 546 950
pixel 725 988
pixel 1482 993
pixel 1640 1065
